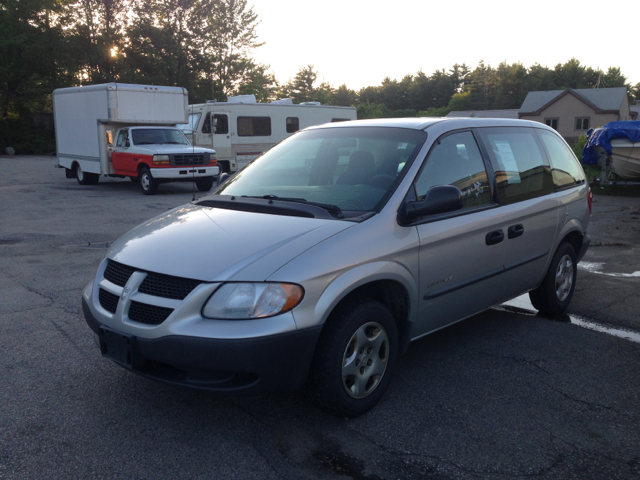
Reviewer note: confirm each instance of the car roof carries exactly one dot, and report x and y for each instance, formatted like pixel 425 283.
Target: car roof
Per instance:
pixel 423 123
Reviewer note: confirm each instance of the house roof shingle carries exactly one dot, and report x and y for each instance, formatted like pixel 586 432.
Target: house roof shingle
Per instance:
pixel 603 98
pixel 513 113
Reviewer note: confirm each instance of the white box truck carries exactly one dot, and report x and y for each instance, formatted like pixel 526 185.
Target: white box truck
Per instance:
pixel 240 129
pixel 121 130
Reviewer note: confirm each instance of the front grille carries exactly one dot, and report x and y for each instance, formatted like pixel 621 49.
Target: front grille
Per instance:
pixel 117 273
pixel 149 314
pixel 108 300
pixel 190 159
pixel 167 286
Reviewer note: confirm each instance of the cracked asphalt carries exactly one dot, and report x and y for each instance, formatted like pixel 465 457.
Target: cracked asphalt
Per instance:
pixel 501 395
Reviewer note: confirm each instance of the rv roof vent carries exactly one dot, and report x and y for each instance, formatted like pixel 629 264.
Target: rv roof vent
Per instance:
pixel 311 103
pixel 242 99
pixel 283 101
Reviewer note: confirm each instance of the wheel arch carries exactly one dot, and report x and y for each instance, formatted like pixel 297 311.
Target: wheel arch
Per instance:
pixel 385 282
pixel 573 233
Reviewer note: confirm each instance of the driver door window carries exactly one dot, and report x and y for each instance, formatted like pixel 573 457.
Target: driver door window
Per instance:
pixel 456 160
pixel 123 139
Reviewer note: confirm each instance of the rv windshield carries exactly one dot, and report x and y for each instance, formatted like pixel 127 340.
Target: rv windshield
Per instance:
pixel 158 136
pixel 353 168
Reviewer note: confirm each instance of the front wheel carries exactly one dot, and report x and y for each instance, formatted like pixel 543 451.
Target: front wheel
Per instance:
pixel 204 184
pixel 148 184
pixel 355 359
pixel 556 290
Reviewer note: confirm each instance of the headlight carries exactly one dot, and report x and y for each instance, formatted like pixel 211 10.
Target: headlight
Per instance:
pixel 236 301
pixel 161 160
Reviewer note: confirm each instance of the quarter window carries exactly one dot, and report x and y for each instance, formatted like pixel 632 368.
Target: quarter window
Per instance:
pixel 520 167
pixel 254 126
pixel 582 123
pixel 565 168
pixel 456 160
pixel 293 124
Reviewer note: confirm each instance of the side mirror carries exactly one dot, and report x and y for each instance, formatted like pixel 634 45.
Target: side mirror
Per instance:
pixel 223 177
pixel 439 199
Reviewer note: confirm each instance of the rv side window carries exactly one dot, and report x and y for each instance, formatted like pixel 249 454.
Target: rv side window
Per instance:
pixel 333 120
pixel 293 124
pixel 254 126
pixel 222 124
pixel 123 138
pixel 206 125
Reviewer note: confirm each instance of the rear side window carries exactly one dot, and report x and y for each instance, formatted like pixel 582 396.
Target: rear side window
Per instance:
pixel 565 168
pixel 520 167
pixel 456 160
pixel 254 126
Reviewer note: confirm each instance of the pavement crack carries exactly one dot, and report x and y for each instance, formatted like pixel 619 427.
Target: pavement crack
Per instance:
pixel 516 359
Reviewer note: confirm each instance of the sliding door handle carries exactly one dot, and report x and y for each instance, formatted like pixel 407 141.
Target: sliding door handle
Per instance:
pixel 515 231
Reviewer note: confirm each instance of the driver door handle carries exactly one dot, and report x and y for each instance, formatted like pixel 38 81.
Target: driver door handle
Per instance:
pixel 494 237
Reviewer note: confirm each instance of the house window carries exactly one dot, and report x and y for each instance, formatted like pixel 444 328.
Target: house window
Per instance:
pixel 254 126
pixel 582 123
pixel 293 124
pixel 552 122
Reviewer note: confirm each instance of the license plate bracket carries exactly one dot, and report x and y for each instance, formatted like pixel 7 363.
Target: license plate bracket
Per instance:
pixel 118 347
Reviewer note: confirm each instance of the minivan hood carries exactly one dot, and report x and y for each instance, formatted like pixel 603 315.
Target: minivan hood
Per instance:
pixel 212 244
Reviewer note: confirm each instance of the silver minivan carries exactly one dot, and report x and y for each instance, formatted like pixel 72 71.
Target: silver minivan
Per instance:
pixel 326 256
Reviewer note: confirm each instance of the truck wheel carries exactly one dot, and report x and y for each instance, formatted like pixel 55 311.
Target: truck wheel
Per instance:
pixel 85 178
pixel 148 184
pixel 355 359
pixel 204 184
pixel 556 290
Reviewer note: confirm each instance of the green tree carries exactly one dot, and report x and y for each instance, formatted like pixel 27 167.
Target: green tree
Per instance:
pixel 510 86
pixel 301 87
pixel 344 97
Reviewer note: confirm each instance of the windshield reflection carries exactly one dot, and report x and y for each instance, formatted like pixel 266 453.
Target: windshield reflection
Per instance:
pixel 353 168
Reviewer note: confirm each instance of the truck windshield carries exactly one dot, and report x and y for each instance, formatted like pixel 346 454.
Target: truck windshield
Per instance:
pixel 158 136
pixel 354 168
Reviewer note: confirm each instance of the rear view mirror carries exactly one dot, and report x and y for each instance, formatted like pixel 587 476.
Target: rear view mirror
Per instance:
pixel 440 199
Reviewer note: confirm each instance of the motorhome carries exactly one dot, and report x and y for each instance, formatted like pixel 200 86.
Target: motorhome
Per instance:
pixel 240 129
pixel 122 130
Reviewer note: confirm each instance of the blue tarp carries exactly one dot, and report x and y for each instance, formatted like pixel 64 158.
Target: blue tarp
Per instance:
pixel 602 138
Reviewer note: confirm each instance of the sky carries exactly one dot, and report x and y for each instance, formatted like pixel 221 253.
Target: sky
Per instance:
pixel 361 42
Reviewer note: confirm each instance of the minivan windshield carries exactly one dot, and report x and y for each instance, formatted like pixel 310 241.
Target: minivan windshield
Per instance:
pixel 158 136
pixel 353 168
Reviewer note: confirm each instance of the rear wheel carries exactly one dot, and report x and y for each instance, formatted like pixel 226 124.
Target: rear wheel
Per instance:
pixel 85 178
pixel 556 290
pixel 204 184
pixel 148 184
pixel 355 359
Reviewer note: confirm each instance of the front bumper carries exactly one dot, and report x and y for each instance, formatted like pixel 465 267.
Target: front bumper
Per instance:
pixel 274 363
pixel 186 172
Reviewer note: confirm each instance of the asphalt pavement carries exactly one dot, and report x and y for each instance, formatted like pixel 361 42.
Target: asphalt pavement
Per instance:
pixel 505 394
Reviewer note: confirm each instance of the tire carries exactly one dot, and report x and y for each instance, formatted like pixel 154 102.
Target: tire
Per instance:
pixel 85 178
pixel 148 184
pixel 204 184
pixel 355 358
pixel 556 290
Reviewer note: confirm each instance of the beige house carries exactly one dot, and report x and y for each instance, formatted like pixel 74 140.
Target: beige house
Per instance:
pixel 574 111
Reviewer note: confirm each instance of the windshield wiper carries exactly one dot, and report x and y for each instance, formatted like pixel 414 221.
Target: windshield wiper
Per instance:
pixel 172 142
pixel 329 208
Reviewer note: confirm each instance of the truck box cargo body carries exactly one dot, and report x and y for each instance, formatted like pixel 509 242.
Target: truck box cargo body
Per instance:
pixel 241 129
pixel 128 131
